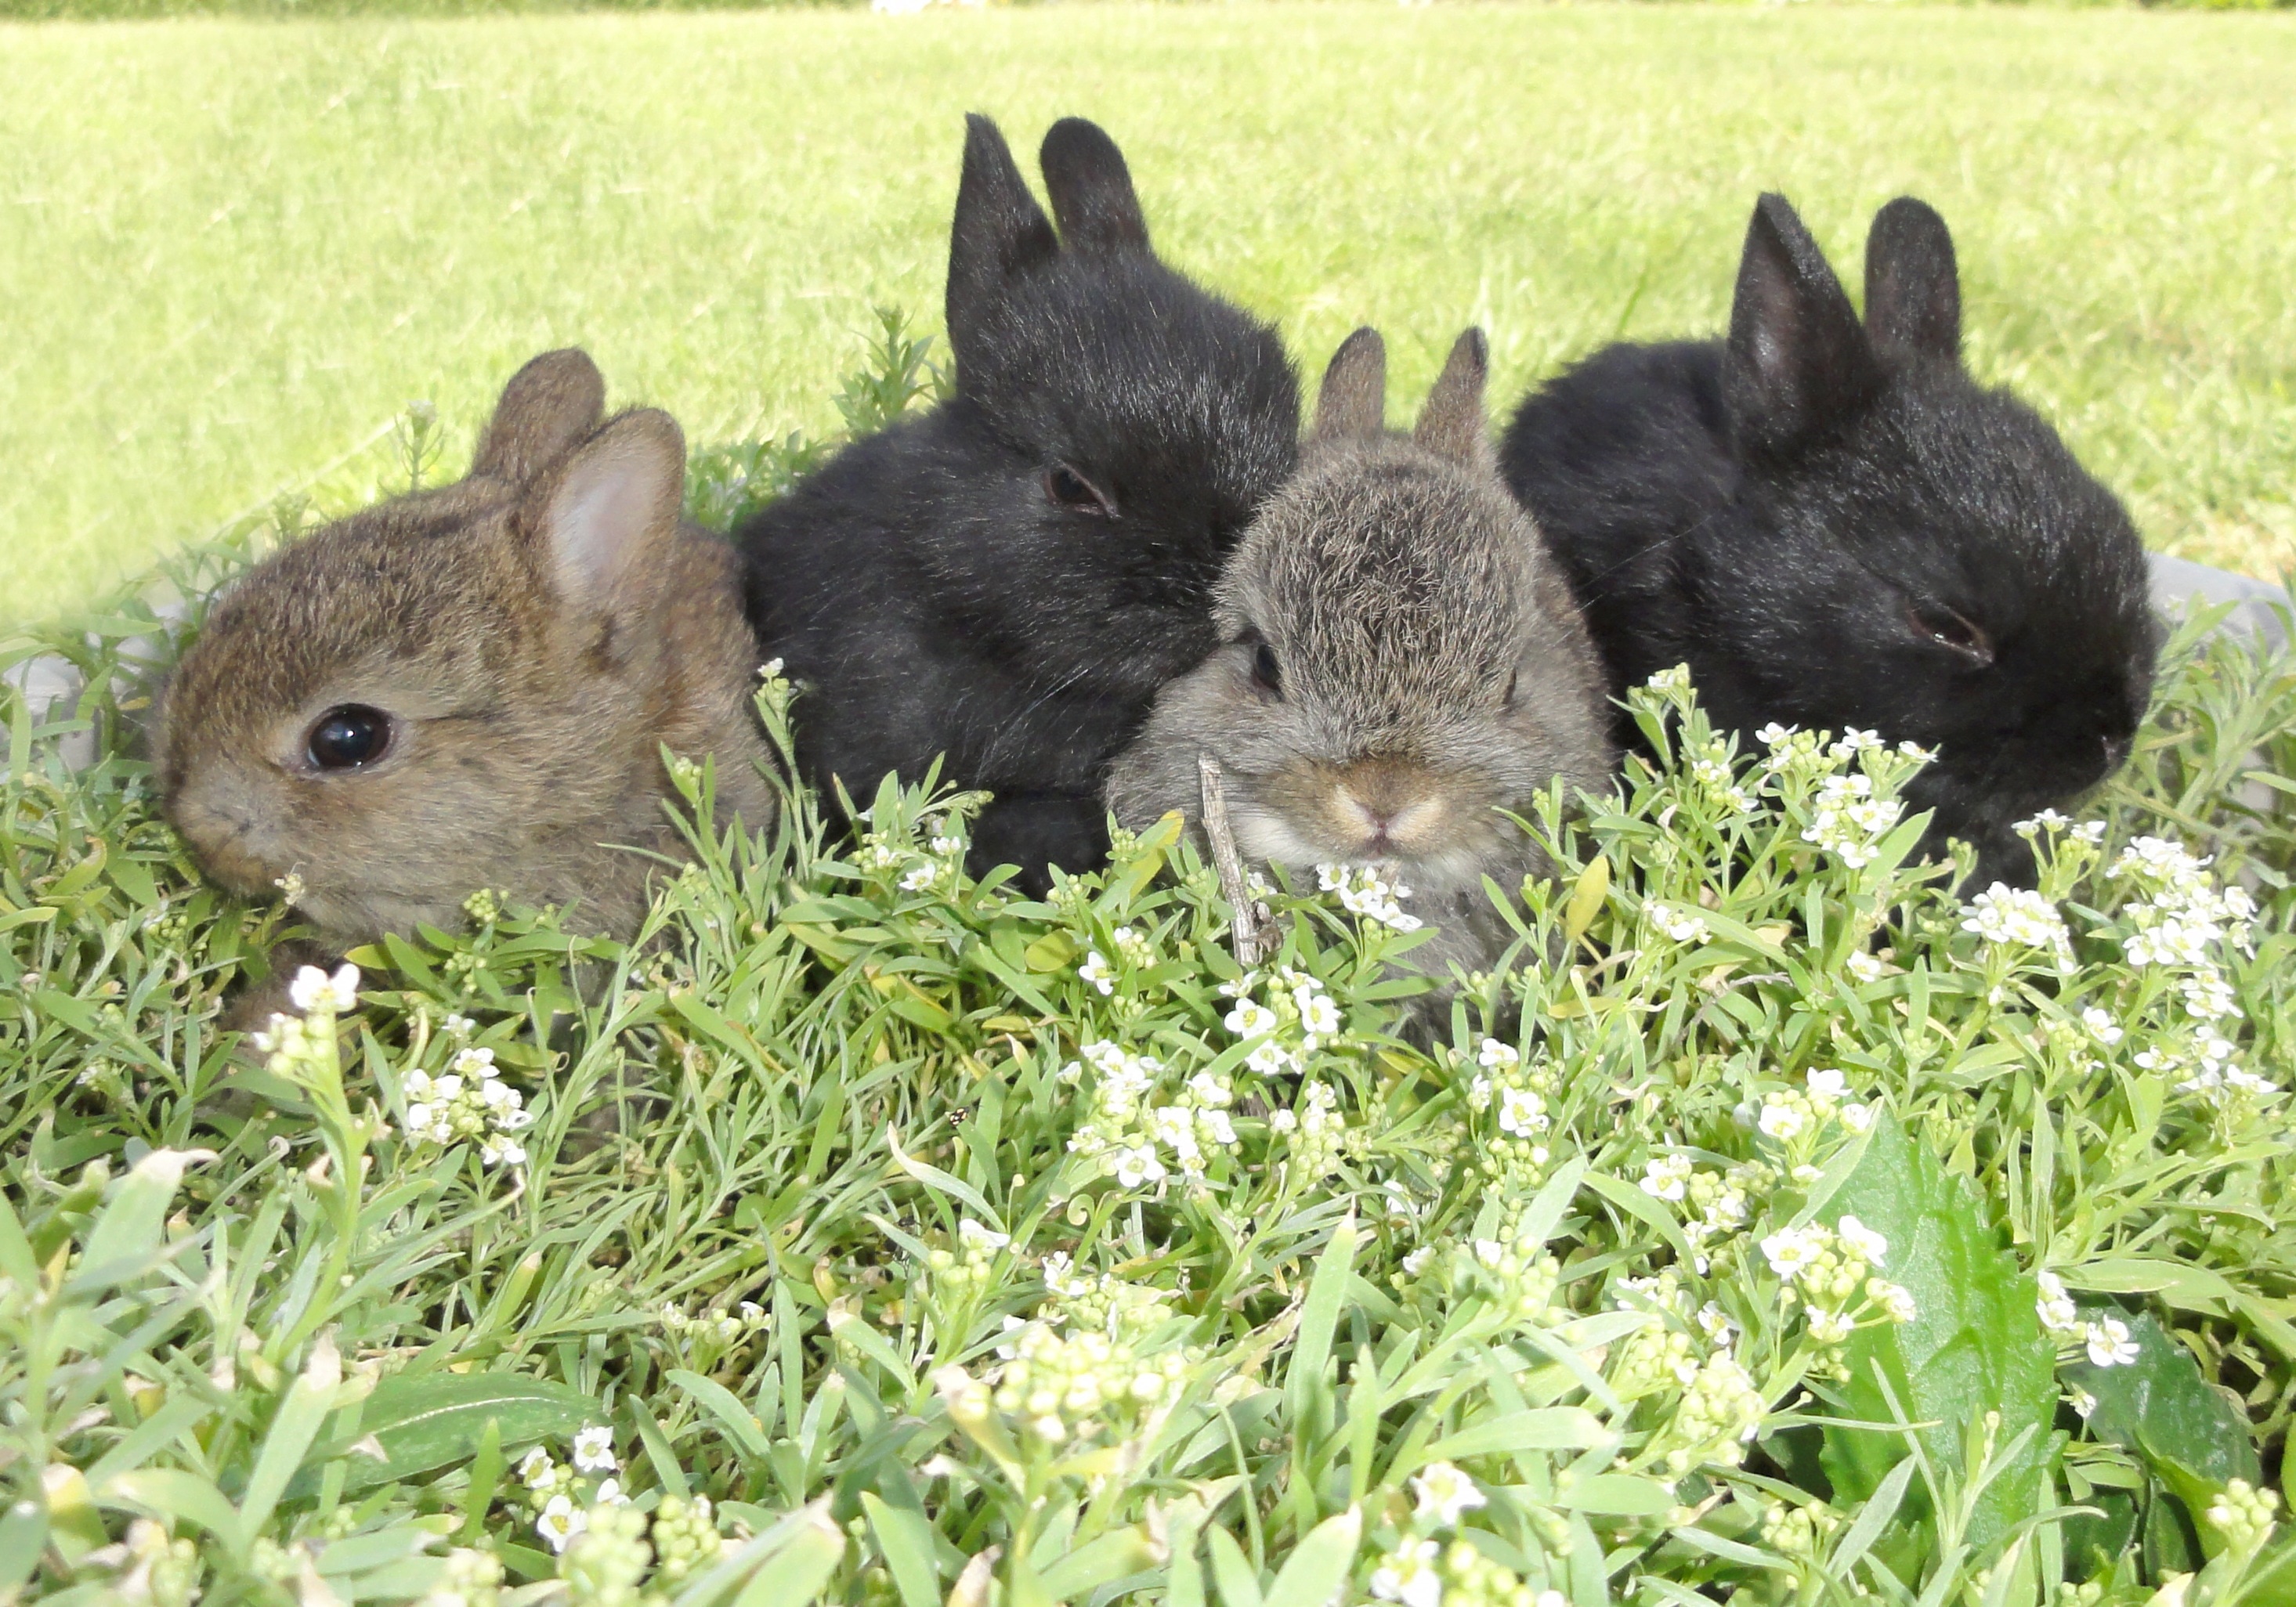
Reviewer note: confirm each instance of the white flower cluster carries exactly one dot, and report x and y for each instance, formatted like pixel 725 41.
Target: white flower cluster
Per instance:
pixel 1420 1572
pixel 1296 1018
pixel 1065 1385
pixel 1795 1120
pixel 468 1100
pixel 2107 1341
pixel 551 1486
pixel 964 1272
pixel 1829 1272
pixel 934 869
pixel 1134 950
pixel 1847 820
pixel 2089 832
pixel 2182 923
pixel 1139 1143
pixel 1718 1417
pixel 1718 1409
pixel 289 1042
pixel 1516 1274
pixel 1711 771
pixel 1317 1137
pixel 1520 1092
pixel 1364 891
pixel 2013 917
pixel 717 1323
pixel 1684 926
pixel 1100 1302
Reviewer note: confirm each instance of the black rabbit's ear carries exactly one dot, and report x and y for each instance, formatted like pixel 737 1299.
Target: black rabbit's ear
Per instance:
pixel 1913 286
pixel 1451 424
pixel 548 405
pixel 609 512
pixel 1353 401
pixel 1000 230
pixel 1091 189
pixel 1798 365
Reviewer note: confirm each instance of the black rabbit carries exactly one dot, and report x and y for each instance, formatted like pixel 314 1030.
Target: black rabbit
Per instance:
pixel 1835 526
pixel 1008 579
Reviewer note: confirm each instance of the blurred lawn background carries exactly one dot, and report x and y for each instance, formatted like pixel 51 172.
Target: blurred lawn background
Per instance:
pixel 233 250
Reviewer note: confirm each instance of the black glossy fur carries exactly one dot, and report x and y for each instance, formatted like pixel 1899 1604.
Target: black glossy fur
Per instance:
pixel 932 584
pixel 1835 526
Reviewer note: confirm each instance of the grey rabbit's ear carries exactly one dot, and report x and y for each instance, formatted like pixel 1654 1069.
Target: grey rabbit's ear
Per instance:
pixel 1798 365
pixel 548 405
pixel 1091 189
pixel 1000 232
pixel 1451 423
pixel 1912 284
pixel 1353 402
pixel 611 512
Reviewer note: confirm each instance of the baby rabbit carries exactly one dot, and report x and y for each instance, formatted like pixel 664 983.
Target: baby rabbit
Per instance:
pixel 1400 662
pixel 1008 579
pixel 1835 525
pixel 470 687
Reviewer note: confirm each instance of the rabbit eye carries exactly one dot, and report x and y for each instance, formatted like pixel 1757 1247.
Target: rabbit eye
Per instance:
pixel 1266 673
pixel 1947 629
pixel 345 738
pixel 1069 489
pixel 1514 679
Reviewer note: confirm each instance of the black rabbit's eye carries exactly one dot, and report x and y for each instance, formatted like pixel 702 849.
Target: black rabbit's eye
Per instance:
pixel 1073 491
pixel 1266 674
pixel 350 736
pixel 1947 629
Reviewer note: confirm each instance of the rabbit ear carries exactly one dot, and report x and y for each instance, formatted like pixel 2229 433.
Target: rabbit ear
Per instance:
pixel 549 405
pixel 1353 401
pixel 1798 364
pixel 1451 423
pixel 1000 232
pixel 610 511
pixel 1913 286
pixel 1091 189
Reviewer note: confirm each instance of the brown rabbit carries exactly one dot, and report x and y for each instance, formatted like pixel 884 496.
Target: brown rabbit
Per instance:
pixel 470 687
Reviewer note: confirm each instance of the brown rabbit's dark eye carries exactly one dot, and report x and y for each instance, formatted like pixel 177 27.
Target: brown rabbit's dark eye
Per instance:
pixel 1266 673
pixel 1073 491
pixel 1514 679
pixel 350 736
pixel 1947 629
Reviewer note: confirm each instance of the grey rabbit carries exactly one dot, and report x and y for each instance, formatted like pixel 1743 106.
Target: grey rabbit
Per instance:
pixel 1399 663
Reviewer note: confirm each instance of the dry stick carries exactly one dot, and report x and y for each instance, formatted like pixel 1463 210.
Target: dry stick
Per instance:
pixel 1230 865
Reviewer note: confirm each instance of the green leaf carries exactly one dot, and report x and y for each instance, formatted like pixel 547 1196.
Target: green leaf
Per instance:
pixel 1096 1563
pixel 127 1235
pixel 435 1419
pixel 2193 1438
pixel 740 1423
pixel 906 1541
pixel 1319 1565
pixel 1232 1570
pixel 1975 1345
pixel 309 1398
pixel 23 1531
pixel 1537 1429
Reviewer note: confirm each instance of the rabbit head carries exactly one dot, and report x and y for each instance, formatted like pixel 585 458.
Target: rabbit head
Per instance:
pixel 1399 662
pixel 1917 555
pixel 1135 422
pixel 470 687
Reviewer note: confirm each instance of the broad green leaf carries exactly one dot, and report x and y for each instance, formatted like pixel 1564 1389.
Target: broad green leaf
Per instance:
pixel 1617 1495
pixel 740 1423
pixel 128 1232
pixel 309 1398
pixel 1537 1429
pixel 1319 1564
pixel 434 1419
pixel 2161 1407
pixel 1973 1346
pixel 186 1497
pixel 1303 1381
pixel 1232 1570
pixel 23 1531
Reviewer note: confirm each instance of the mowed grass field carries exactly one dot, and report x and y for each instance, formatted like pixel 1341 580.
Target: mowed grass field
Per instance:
pixel 231 251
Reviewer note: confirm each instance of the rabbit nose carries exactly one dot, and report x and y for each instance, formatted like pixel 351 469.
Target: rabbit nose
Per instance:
pixel 1385 806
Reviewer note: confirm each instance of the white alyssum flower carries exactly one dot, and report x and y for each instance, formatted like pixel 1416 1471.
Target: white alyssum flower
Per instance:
pixel 1791 1250
pixel 1523 1112
pixel 560 1522
pixel 1408 1575
pixel 2101 1026
pixel 2110 1344
pixel 1364 891
pixel 1681 926
pixel 1668 1177
pixel 1866 967
pixel 1445 1495
pixel 1780 1120
pixel 1862 1240
pixel 315 992
pixel 594 1450
pixel 2056 1309
pixel 2007 916
pixel 1097 973
pixel 535 1470
pixel 1848 821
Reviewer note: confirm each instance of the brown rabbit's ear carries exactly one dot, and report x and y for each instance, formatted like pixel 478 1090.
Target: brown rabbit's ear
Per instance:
pixel 1352 405
pixel 548 405
pixel 1091 189
pixel 1912 287
pixel 1451 423
pixel 611 510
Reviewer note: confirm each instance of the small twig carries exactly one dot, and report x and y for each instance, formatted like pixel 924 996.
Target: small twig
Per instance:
pixel 1230 864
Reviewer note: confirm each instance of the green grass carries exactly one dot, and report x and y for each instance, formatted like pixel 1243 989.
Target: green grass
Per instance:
pixel 233 251
pixel 836 1210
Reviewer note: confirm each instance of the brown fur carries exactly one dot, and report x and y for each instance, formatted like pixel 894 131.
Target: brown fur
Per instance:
pixel 537 631
pixel 1433 671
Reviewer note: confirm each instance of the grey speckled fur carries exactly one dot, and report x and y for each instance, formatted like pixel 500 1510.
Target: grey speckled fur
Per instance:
pixel 1430 669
